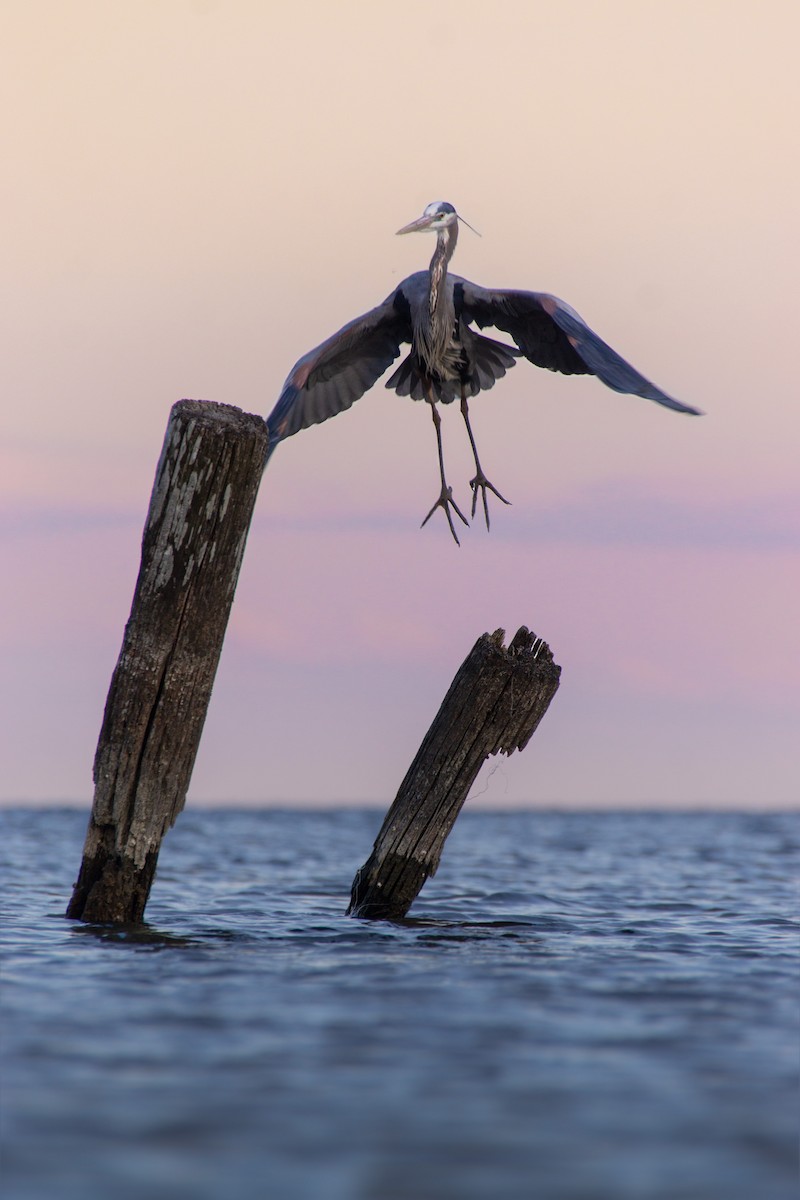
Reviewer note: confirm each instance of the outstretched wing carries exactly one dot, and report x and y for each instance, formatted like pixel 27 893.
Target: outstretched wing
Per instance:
pixel 551 334
pixel 331 377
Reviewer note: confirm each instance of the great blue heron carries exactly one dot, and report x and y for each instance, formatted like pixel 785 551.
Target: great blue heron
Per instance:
pixel 434 312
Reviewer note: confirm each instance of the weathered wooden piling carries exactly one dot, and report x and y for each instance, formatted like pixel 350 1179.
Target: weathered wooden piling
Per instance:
pixel 202 501
pixel 495 702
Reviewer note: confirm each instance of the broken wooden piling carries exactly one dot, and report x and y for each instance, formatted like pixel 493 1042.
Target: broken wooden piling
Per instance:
pixel 495 703
pixel 200 510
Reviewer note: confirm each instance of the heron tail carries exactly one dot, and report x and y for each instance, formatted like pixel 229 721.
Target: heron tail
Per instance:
pixel 485 361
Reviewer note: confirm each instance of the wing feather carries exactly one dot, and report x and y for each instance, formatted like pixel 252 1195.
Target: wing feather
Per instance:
pixel 552 335
pixel 332 376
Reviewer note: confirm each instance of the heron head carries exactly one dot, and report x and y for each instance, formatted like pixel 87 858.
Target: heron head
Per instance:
pixel 438 215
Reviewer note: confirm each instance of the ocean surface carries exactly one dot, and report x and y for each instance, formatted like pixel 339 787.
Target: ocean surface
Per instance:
pixel 579 1007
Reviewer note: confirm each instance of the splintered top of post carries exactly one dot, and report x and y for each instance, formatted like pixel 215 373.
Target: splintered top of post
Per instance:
pixel 523 643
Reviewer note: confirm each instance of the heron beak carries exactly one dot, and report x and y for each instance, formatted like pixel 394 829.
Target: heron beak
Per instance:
pixel 422 223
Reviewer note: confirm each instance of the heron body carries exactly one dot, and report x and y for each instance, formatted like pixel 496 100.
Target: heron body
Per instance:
pixel 436 314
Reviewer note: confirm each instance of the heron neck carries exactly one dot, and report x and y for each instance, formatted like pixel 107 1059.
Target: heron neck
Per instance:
pixel 446 239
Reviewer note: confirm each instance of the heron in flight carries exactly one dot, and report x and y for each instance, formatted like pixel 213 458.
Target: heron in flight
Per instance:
pixel 435 312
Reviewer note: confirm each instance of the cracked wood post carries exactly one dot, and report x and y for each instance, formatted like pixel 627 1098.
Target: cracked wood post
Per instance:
pixel 495 703
pixel 200 509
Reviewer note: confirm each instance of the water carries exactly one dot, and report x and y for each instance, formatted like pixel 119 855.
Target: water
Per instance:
pixel 583 1007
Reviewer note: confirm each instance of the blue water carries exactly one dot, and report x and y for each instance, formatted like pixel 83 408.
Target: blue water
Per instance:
pixel 581 1007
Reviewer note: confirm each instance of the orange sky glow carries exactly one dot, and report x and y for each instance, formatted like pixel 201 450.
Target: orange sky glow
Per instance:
pixel 196 193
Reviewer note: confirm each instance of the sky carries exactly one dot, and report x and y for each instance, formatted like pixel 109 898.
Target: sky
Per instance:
pixel 195 193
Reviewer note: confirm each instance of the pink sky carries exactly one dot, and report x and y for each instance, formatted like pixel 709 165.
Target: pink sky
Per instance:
pixel 197 193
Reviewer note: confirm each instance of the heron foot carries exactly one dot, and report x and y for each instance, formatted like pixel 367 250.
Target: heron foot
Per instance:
pixel 480 484
pixel 447 502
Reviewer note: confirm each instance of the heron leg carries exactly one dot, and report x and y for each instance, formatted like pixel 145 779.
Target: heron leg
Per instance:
pixel 445 500
pixel 480 482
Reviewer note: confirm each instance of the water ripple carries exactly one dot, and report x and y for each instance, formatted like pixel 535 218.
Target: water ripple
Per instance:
pixel 579 1007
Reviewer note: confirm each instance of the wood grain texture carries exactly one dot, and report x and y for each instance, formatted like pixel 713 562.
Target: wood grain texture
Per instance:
pixel 200 510
pixel 495 702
